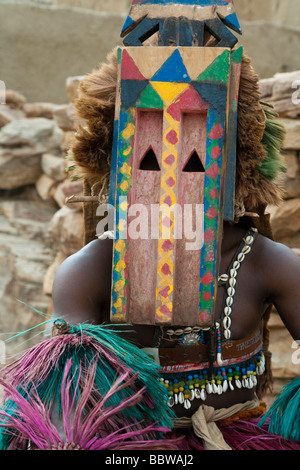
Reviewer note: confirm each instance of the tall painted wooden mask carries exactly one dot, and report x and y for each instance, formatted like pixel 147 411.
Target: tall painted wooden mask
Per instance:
pixel 173 163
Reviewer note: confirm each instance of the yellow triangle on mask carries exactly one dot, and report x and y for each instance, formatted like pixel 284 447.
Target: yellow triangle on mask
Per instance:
pixel 169 91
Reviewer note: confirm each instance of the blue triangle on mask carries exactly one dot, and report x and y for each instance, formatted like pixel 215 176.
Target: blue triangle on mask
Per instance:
pixel 173 70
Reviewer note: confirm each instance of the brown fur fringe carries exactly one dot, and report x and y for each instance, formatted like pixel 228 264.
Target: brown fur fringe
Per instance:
pixel 251 187
pixel 92 146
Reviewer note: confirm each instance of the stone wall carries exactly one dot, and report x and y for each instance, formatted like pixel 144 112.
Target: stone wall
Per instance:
pixel 37 230
pixel 283 92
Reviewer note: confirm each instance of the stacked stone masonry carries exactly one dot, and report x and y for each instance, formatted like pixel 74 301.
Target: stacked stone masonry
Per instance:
pixel 283 92
pixel 37 229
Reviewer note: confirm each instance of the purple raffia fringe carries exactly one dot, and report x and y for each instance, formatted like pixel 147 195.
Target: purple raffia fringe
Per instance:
pixel 240 435
pixel 246 435
pixel 92 430
pixel 88 419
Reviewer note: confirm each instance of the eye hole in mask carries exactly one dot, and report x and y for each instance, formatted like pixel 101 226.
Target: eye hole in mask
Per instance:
pixel 149 161
pixel 194 164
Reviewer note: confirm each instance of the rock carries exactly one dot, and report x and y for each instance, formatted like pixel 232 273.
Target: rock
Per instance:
pixel 24 260
pixel 263 42
pixel 282 353
pixel 22 143
pixel 118 7
pixel 26 216
pixel 291 179
pixel 282 348
pixel 72 84
pixel 66 231
pixel 285 84
pixel 67 189
pixel 45 187
pixel 65 117
pixel 275 320
pixel 292 242
pixel 296 251
pixel 18 170
pixel 54 167
pixel 283 91
pixel 50 43
pixel 67 140
pixel 44 110
pixel 291 187
pixel 14 99
pixel 292 164
pixel 292 138
pixel 59 196
pixel 285 219
pixel 35 136
pixel 51 272
pixel 71 188
pixel 8 114
pixel 287 108
pixel 266 87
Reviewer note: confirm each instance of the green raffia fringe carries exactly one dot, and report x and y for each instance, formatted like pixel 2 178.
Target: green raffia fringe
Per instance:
pixel 284 414
pixel 273 141
pixel 47 381
pixel 135 359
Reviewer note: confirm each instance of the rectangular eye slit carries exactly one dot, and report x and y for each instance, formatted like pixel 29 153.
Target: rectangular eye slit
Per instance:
pixel 148 139
pixel 193 142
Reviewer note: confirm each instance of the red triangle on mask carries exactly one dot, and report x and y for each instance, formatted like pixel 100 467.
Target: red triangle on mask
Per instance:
pixel 129 69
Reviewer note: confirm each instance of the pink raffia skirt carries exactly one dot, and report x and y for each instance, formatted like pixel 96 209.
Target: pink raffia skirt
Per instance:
pixel 240 432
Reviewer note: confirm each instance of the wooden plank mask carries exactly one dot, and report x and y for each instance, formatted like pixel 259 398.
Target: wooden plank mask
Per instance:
pixel 173 163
